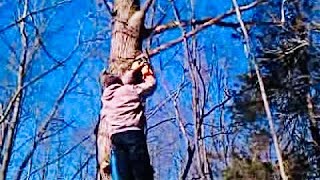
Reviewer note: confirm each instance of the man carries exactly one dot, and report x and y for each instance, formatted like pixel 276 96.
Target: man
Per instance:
pixel 122 115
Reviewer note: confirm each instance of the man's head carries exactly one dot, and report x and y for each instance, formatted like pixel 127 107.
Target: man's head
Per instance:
pixel 137 66
pixel 108 79
pixel 137 78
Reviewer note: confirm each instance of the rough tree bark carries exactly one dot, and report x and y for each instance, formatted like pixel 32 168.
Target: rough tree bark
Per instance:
pixel 127 33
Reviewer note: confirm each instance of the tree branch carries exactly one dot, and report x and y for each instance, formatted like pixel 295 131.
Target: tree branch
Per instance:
pixel 159 123
pixel 62 155
pixel 205 22
pixel 8 146
pixel 40 136
pixel 217 106
pixel 35 79
pixel 23 18
pixel 204 25
pixel 146 6
pixel 86 163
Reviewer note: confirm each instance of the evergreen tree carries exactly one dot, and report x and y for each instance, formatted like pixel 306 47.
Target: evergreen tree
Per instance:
pixel 287 51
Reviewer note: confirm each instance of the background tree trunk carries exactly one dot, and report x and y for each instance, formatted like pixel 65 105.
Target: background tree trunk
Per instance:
pixel 14 120
pixel 263 93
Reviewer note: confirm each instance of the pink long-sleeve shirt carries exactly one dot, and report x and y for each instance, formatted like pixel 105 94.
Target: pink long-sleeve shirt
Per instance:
pixel 122 108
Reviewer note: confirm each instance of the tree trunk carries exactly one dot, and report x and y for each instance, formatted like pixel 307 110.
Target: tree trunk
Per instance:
pixel 126 40
pixel 2 129
pixel 10 136
pixel 10 139
pixel 263 93
pixel 314 125
pixel 127 36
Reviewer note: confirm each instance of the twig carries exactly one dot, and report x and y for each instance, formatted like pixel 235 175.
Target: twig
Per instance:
pixel 62 155
pixel 217 106
pixel 205 22
pixel 82 166
pixel 159 123
pixel 199 28
pixel 146 6
pixel 32 81
pixel 23 18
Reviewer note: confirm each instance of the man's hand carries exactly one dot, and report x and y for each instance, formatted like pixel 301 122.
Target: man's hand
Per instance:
pixel 146 71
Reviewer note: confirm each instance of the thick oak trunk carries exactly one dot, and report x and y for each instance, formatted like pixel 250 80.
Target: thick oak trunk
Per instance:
pixel 126 42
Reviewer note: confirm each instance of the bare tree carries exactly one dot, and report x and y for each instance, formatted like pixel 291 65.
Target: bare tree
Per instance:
pixel 29 127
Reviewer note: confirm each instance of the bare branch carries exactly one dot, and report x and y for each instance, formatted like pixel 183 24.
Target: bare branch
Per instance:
pixel 109 7
pixel 155 109
pixel 283 19
pixel 40 136
pixel 23 18
pixel 217 134
pixel 146 6
pixel 63 154
pixel 35 79
pixel 83 166
pixel 204 25
pixel 217 106
pixel 7 150
pixel 205 22
pixel 159 123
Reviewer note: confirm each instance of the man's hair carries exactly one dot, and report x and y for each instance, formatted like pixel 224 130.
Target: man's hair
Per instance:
pixel 107 79
pixel 137 78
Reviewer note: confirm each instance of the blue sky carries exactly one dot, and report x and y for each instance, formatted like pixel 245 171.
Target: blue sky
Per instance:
pixel 81 106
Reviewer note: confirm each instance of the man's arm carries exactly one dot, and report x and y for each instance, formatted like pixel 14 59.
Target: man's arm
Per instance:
pixel 149 81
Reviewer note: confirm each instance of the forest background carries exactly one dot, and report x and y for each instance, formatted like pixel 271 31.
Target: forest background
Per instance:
pixel 208 117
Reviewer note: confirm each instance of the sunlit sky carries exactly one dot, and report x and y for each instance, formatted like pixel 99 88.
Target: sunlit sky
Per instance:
pixel 81 107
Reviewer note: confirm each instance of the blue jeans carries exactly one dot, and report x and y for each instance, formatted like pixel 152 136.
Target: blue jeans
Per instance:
pixel 131 156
